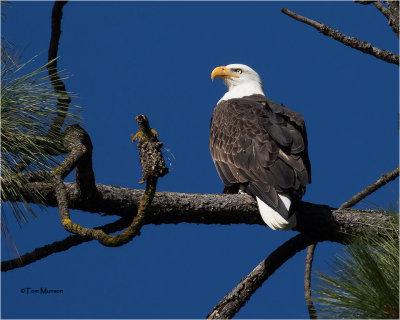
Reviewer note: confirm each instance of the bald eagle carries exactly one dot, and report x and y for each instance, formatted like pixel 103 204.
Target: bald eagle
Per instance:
pixel 259 147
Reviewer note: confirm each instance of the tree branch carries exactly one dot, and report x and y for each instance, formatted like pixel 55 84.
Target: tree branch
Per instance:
pixel 384 179
pixel 307 281
pixel 382 9
pixel 363 2
pixel 352 42
pixel 172 207
pixel 60 246
pixel 235 300
pixel 394 15
pixel 63 99
pixel 59 87
pixel 153 167
pixel 78 142
pixel 348 204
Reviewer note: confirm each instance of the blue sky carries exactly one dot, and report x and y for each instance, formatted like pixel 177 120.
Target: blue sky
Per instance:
pixel 130 58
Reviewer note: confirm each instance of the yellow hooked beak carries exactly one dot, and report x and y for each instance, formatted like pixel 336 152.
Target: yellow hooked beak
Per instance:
pixel 222 72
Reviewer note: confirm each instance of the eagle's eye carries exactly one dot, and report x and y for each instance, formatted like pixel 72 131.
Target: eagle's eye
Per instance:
pixel 239 71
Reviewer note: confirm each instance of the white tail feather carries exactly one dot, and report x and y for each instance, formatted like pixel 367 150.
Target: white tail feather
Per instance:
pixel 272 218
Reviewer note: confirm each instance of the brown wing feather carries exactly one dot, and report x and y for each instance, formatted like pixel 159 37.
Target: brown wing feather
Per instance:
pixel 261 144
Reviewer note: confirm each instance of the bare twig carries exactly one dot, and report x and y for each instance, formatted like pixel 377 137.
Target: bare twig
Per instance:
pixel 63 99
pixel 352 42
pixel 394 15
pixel 59 246
pixel 307 281
pixel 382 9
pixel 59 87
pixel 391 15
pixel 384 179
pixel 366 48
pixel 153 166
pixel 235 300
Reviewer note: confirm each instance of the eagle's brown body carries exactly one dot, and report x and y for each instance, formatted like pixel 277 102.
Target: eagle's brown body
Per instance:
pixel 261 146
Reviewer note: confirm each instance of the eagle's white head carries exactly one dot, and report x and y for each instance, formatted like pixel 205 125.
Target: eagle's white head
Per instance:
pixel 240 79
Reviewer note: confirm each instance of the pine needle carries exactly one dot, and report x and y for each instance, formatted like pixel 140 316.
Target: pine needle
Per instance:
pixel 365 280
pixel 28 108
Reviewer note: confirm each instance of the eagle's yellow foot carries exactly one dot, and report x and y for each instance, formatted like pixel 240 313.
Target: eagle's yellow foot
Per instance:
pixel 154 132
pixel 141 182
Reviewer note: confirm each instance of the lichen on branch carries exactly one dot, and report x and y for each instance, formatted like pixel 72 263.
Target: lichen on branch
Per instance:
pixel 153 166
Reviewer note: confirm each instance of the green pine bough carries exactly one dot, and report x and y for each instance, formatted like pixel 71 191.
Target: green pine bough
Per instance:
pixel 365 279
pixel 29 109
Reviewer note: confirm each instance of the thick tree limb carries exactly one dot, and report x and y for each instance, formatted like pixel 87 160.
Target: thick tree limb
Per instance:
pixel 352 42
pixel 384 179
pixel 235 300
pixel 172 207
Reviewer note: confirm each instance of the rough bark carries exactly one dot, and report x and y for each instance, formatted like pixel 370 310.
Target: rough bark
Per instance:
pixel 307 281
pixel 172 207
pixel 352 42
pixel 394 15
pixel 153 166
pixel 77 141
pixel 236 299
